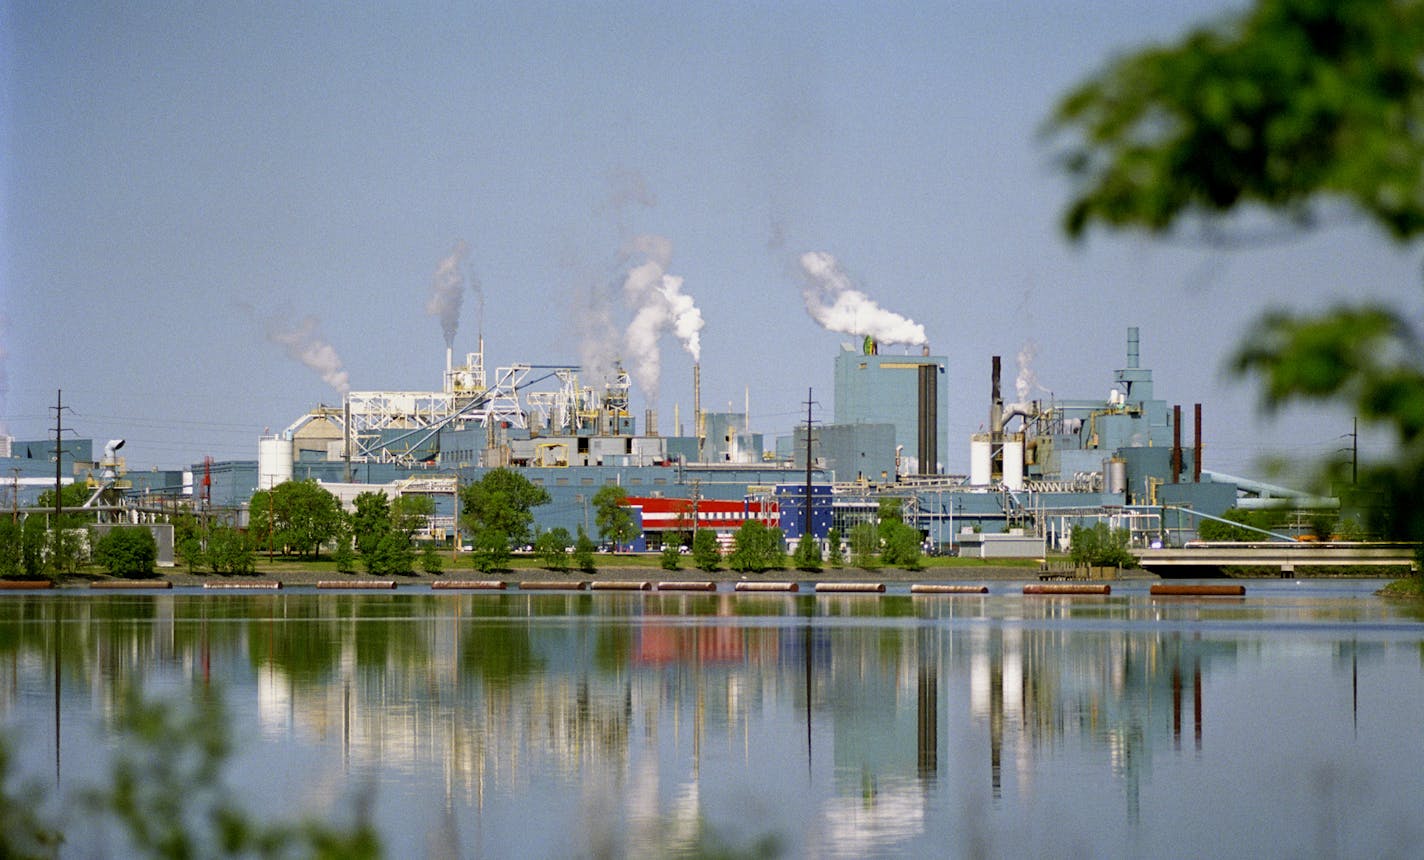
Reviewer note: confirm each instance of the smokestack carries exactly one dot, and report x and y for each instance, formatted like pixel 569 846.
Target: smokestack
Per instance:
pixel 697 406
pixel 1197 448
pixel 1132 348
pixel 996 402
pixel 1176 443
pixel 650 423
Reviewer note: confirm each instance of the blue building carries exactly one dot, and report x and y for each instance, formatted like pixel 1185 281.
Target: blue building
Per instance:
pixel 903 391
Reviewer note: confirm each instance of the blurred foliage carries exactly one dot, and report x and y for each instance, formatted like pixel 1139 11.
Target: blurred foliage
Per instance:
pixel 127 551
pixel 756 548
pixel 706 555
pixel 552 546
pixel 1284 108
pixel 1284 105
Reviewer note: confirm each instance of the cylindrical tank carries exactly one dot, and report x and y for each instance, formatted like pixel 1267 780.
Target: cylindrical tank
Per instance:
pixel 1014 462
pixel 274 461
pixel 1115 475
pixel 981 459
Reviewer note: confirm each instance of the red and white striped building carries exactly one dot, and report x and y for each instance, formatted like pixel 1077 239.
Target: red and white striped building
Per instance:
pixel 662 515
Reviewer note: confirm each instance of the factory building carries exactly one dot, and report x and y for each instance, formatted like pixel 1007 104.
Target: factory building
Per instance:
pixel 903 391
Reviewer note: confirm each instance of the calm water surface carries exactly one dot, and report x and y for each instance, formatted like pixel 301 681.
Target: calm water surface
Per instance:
pixel 1287 723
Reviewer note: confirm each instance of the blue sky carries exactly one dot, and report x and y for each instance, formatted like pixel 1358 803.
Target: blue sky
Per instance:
pixel 180 181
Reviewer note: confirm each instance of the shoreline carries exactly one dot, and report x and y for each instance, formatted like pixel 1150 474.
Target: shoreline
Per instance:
pixel 299 577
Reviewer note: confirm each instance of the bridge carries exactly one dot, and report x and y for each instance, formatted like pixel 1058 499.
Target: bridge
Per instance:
pixel 1199 558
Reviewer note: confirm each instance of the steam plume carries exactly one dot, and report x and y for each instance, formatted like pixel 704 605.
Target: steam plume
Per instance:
pixel 1027 381
pixel 448 292
pixel 302 343
pixel 833 301
pixel 661 305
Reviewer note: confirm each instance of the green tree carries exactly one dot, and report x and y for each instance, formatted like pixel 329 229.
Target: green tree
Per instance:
pixel 11 536
pixel 66 550
pixel 411 512
pixel 671 557
pixel 127 551
pixel 553 547
pixel 614 520
pixel 1099 545
pixel 490 550
pixel 190 552
pixel 756 548
pixel 808 554
pixel 370 521
pixel 706 554
pixel 502 502
pixel 835 556
pixel 865 546
pixel 430 560
pixel 34 537
pixel 229 551
pixel 295 517
pixel 1286 107
pixel 391 554
pixel 584 552
pixel 900 545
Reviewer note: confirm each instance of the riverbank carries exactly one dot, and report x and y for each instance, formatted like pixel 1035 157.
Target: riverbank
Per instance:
pixel 612 568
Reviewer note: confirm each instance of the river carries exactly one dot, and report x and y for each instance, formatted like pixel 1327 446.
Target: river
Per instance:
pixel 1288 722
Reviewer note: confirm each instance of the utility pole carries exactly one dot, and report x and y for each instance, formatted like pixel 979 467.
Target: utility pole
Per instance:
pixel 58 455
pixel 806 527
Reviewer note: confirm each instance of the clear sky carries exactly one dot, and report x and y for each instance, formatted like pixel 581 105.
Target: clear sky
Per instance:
pixel 186 184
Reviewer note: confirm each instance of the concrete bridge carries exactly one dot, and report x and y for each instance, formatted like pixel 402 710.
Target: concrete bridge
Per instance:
pixel 1199 558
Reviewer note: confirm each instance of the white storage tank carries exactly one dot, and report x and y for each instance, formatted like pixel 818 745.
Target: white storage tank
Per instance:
pixel 274 461
pixel 981 459
pixel 1014 462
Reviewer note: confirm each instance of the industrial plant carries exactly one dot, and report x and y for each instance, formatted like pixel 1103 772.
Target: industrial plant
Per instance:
pixel 1037 469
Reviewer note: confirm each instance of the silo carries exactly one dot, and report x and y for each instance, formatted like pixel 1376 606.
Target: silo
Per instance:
pixel 1115 475
pixel 981 459
pixel 274 461
pixel 1014 461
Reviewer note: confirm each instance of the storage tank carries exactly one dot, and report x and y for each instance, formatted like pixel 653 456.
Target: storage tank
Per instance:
pixel 274 461
pixel 1014 462
pixel 981 459
pixel 1115 475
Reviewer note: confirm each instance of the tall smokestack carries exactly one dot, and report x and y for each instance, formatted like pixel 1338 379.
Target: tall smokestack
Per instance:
pixel 1132 348
pixel 650 423
pixel 697 406
pixel 1176 443
pixel 996 401
pixel 1197 448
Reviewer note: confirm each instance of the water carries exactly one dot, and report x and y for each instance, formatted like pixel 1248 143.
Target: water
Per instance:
pixel 1287 723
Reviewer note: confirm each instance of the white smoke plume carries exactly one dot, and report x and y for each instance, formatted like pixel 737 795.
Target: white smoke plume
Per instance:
pixel 1026 383
pixel 833 301
pixel 303 343
pixel 659 305
pixel 447 292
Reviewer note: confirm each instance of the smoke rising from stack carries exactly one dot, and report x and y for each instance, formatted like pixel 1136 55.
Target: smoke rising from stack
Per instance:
pixel 659 306
pixel 304 344
pixel 1027 380
pixel 447 292
pixel 833 301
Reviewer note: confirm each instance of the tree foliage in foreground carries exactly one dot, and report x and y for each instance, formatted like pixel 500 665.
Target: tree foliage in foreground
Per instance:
pixel 1286 107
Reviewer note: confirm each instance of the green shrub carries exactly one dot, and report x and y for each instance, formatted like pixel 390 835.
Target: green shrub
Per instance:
pixel 127 551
